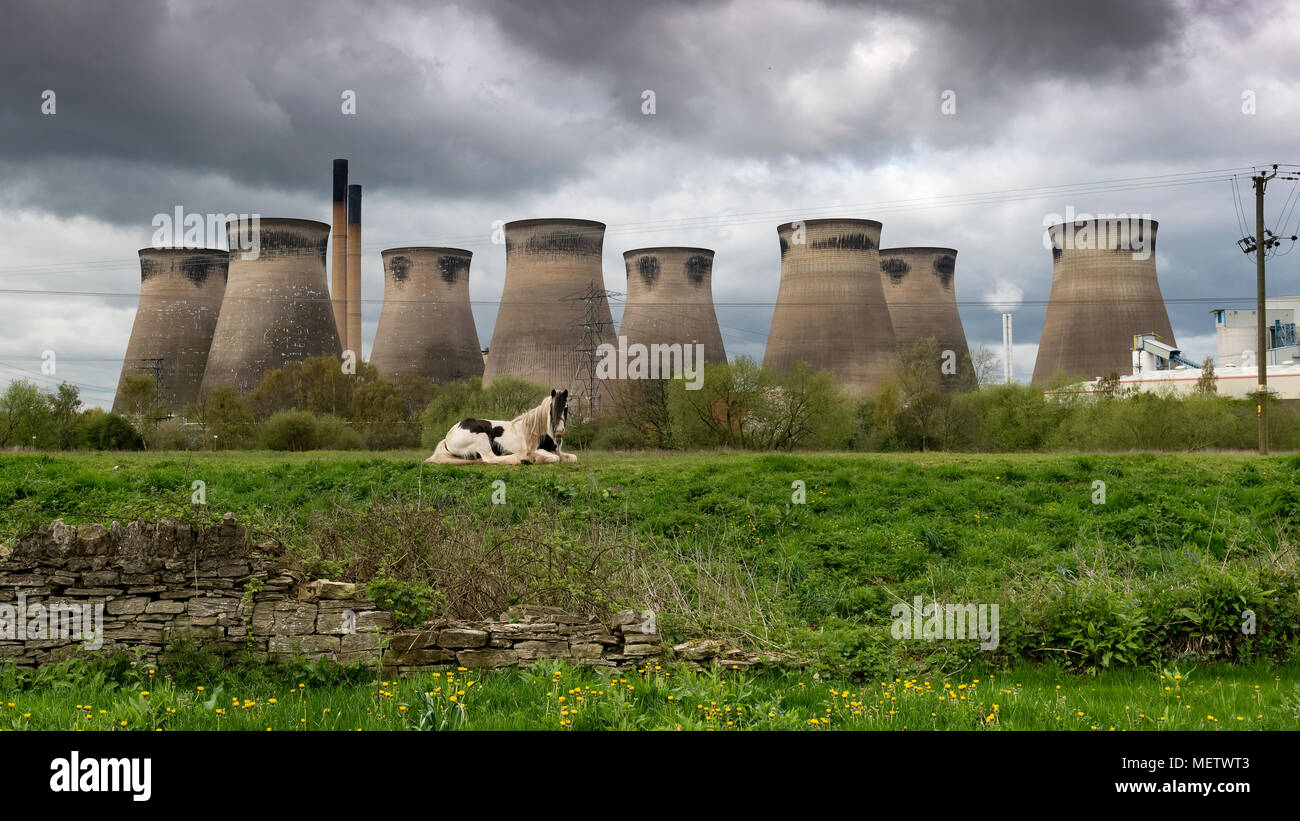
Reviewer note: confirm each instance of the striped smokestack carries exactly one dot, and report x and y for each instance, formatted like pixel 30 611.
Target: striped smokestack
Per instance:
pixel 339 260
pixel 353 335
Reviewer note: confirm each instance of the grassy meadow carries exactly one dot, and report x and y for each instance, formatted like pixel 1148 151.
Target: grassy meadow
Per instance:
pixel 558 697
pixel 1109 570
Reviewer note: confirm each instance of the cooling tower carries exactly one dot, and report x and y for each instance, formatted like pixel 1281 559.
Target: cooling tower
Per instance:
pixel 339 250
pixel 276 308
pixel 922 297
pixel 426 326
pixel 550 265
pixel 352 342
pixel 670 300
pixel 830 309
pixel 1104 290
pixel 180 297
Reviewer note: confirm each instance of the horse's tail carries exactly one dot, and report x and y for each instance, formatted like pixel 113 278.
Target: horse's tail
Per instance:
pixel 443 456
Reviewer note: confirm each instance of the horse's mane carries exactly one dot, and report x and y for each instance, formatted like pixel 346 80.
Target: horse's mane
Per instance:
pixel 532 424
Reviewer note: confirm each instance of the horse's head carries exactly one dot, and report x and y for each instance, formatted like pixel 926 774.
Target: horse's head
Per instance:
pixel 559 413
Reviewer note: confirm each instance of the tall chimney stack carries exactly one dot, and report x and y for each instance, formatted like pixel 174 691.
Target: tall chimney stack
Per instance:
pixel 354 271
pixel 339 261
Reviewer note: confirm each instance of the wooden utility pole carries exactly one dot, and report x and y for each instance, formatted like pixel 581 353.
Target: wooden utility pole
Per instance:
pixel 1260 245
pixel 1261 249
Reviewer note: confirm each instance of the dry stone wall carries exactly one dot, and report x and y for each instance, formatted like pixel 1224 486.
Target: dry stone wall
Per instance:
pixel 142 587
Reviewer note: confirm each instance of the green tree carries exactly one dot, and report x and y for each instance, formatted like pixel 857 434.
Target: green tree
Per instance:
pixel 141 403
pixel 26 418
pixel 1207 383
pixel 65 405
pixel 224 420
pixel 923 401
pixel 728 409
pixel 806 408
pixel 379 416
pixel 109 431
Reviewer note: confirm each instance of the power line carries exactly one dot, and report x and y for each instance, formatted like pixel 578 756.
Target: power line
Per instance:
pixel 936 201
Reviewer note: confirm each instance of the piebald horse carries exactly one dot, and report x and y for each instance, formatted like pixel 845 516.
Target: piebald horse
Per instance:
pixel 532 436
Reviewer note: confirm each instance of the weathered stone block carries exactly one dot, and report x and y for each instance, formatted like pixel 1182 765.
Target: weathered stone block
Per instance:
pixel 302 644
pixel 430 655
pixel 586 651
pixel 130 605
pixel 462 637
pixel 532 650
pixel 294 619
pixel 413 640
pixel 165 607
pixel 359 641
pixel 641 650
pixel 623 617
pixel 212 605
pixel 485 659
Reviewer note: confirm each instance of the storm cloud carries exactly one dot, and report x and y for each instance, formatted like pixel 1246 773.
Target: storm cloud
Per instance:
pixel 765 111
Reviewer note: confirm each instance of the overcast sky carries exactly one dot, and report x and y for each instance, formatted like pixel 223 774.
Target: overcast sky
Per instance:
pixel 765 111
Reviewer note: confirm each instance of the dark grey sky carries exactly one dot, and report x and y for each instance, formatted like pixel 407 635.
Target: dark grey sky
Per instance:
pixel 766 111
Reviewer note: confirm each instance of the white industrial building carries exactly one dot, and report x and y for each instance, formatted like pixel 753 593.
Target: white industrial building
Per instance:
pixel 1158 367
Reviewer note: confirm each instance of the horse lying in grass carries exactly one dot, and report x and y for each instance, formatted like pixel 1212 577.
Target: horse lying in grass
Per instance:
pixel 532 436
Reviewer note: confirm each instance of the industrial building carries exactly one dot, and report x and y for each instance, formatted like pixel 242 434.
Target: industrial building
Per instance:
pixel 426 326
pixel 181 290
pixel 1104 292
pixel 553 312
pixel 830 308
pixel 1237 335
pixel 670 300
pixel 1160 368
pixel 920 290
pixel 276 307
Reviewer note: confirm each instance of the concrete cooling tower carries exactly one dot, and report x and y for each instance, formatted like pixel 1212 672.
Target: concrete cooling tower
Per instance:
pixel 539 327
pixel 1104 290
pixel 921 293
pixel 670 300
pixel 180 297
pixel 276 308
pixel 830 309
pixel 426 326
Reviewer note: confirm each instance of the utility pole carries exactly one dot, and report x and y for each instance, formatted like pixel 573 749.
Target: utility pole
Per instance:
pixel 1261 409
pixel 1260 244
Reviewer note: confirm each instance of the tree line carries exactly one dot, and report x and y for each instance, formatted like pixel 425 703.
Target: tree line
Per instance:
pixel 314 405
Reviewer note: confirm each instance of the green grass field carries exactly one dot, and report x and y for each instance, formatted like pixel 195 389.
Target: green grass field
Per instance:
pixel 556 697
pixel 1097 595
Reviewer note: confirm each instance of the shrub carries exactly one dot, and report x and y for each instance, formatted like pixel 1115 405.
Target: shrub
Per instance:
pixel 108 431
pixel 304 430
